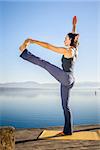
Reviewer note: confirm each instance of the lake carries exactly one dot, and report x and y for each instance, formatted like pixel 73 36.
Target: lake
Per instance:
pixel 37 108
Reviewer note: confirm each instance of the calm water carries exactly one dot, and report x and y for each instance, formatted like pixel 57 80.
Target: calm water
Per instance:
pixel 32 108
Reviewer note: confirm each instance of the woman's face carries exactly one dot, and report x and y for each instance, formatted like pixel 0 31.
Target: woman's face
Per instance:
pixel 67 41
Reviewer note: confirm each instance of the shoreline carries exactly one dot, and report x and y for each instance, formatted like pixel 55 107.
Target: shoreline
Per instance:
pixel 83 126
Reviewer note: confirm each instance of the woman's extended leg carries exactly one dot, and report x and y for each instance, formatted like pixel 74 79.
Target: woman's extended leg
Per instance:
pixel 60 75
pixel 65 90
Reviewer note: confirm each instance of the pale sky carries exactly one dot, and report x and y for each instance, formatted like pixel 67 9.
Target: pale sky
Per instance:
pixel 48 21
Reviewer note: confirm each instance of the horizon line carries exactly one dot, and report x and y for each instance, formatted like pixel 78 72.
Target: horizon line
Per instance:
pixel 46 82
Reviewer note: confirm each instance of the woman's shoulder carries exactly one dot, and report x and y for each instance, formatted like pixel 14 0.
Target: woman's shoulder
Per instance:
pixel 70 52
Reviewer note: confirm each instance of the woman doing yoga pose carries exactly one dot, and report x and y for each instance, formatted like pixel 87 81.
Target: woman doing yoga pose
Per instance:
pixel 65 75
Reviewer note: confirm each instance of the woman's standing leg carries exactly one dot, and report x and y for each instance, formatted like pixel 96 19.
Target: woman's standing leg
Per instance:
pixel 65 91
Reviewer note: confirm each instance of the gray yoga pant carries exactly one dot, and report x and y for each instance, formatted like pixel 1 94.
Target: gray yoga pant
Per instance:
pixel 65 78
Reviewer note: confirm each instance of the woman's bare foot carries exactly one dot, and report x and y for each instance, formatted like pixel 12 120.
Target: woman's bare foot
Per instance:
pixel 24 45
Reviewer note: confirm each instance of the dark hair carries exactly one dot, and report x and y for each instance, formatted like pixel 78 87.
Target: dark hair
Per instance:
pixel 72 37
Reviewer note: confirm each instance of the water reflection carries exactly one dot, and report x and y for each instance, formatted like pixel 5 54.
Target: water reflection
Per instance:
pixel 26 108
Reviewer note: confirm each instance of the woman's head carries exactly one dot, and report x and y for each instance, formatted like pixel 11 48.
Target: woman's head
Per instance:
pixel 72 39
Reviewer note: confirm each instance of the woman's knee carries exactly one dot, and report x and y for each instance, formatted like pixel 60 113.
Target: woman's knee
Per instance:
pixel 68 84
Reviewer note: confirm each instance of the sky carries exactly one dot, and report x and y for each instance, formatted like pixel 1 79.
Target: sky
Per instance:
pixel 48 21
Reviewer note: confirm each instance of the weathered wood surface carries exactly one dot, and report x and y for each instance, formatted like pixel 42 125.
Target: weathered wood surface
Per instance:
pixel 7 138
pixel 25 140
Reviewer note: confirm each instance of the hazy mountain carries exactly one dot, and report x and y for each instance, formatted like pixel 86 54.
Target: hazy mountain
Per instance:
pixel 88 84
pixel 28 84
pixel 31 84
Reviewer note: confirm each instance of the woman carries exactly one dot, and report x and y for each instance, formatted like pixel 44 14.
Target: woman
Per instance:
pixel 65 75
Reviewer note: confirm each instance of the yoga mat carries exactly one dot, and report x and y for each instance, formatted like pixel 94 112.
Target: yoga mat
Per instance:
pixel 81 135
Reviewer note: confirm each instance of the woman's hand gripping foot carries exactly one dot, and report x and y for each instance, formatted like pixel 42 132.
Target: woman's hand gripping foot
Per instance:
pixel 25 45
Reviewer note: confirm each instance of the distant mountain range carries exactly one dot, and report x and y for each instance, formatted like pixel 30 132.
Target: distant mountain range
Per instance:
pixel 31 84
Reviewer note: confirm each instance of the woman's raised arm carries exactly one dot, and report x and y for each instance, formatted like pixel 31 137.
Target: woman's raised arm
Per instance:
pixel 60 50
pixel 74 22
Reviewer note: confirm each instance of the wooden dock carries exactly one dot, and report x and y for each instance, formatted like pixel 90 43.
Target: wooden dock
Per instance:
pixel 26 139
